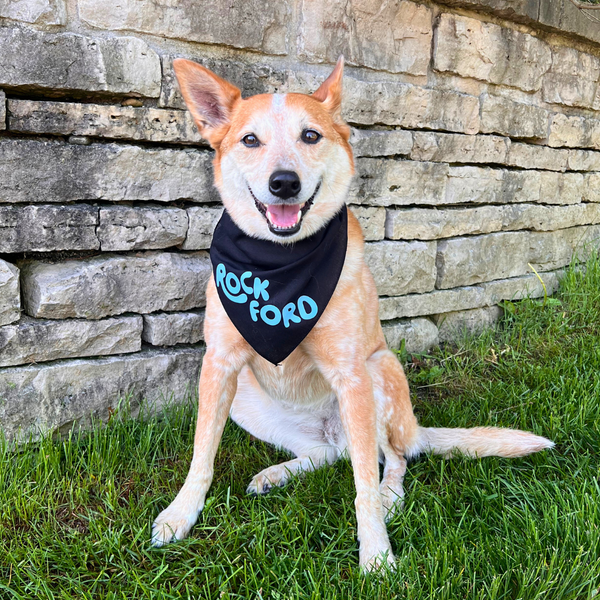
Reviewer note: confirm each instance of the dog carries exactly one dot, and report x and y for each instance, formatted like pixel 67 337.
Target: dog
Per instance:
pixel 341 390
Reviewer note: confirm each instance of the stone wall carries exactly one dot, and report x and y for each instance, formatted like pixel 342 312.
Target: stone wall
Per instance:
pixel 477 136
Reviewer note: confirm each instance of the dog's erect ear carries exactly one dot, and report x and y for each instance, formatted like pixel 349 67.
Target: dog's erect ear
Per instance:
pixel 209 98
pixel 330 92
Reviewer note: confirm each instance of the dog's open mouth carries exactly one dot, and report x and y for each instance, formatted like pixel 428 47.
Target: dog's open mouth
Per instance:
pixel 284 219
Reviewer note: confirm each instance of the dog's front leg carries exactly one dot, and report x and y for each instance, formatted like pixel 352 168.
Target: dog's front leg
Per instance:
pixel 354 390
pixel 218 383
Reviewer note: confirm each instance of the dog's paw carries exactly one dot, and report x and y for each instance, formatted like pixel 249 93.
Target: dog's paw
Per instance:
pixel 378 563
pixel 375 552
pixel 265 481
pixel 172 524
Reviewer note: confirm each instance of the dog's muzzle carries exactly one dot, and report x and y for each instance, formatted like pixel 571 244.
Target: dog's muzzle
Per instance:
pixel 284 219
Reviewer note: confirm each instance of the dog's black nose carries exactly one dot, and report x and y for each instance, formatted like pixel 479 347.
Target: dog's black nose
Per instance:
pixel 285 184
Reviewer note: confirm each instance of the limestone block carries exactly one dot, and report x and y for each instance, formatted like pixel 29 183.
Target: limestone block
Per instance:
pixel 469 260
pixel 514 10
pixel 383 182
pixel 33 341
pixel 430 303
pixel 457 148
pixel 39 12
pixel 574 131
pixel 2 110
pixel 560 15
pixel 462 298
pixel 500 186
pixel 241 23
pixel 514 119
pixel 10 298
pixel 46 228
pixel 297 81
pixel 573 78
pixel 584 160
pixel 488 52
pixel 409 106
pixel 591 187
pixel 141 228
pixel 453 326
pixel 367 142
pixel 99 120
pixel 168 329
pixel 517 288
pixel 476 184
pixel 430 224
pixel 549 251
pixel 251 78
pixel 402 267
pixel 97 287
pixel 58 396
pixel 379 102
pixel 372 221
pixel 549 218
pixel 561 188
pixel 35 60
pixel 491 186
pixel 51 171
pixel 564 16
pixel 394 37
pixel 552 250
pixel 202 223
pixel 528 156
pixel 420 334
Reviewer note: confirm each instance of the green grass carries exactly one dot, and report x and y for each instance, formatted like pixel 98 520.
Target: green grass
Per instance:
pixel 75 514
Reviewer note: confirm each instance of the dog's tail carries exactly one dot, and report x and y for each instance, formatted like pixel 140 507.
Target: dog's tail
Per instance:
pixel 478 442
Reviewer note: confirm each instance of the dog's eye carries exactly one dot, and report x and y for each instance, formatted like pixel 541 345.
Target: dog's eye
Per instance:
pixel 250 141
pixel 310 136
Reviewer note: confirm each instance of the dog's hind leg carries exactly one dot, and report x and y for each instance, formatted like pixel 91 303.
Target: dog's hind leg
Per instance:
pixel 279 475
pixel 307 434
pixel 398 426
pixel 395 423
pixel 391 488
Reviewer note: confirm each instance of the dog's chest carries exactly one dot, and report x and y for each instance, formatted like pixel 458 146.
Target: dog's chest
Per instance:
pixel 295 382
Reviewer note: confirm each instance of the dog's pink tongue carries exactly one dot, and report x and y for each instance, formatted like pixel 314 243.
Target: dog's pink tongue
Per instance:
pixel 283 215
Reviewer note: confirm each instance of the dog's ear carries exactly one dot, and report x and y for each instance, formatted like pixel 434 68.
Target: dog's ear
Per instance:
pixel 209 98
pixel 330 91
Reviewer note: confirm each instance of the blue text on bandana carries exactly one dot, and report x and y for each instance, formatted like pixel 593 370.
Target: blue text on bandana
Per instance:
pixel 239 290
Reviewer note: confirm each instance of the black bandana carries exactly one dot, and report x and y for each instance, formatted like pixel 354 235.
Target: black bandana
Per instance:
pixel 274 293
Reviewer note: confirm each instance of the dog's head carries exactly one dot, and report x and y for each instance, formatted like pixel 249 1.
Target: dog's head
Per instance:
pixel 283 163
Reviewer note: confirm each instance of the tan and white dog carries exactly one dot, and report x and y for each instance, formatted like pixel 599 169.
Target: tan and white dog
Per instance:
pixel 341 390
